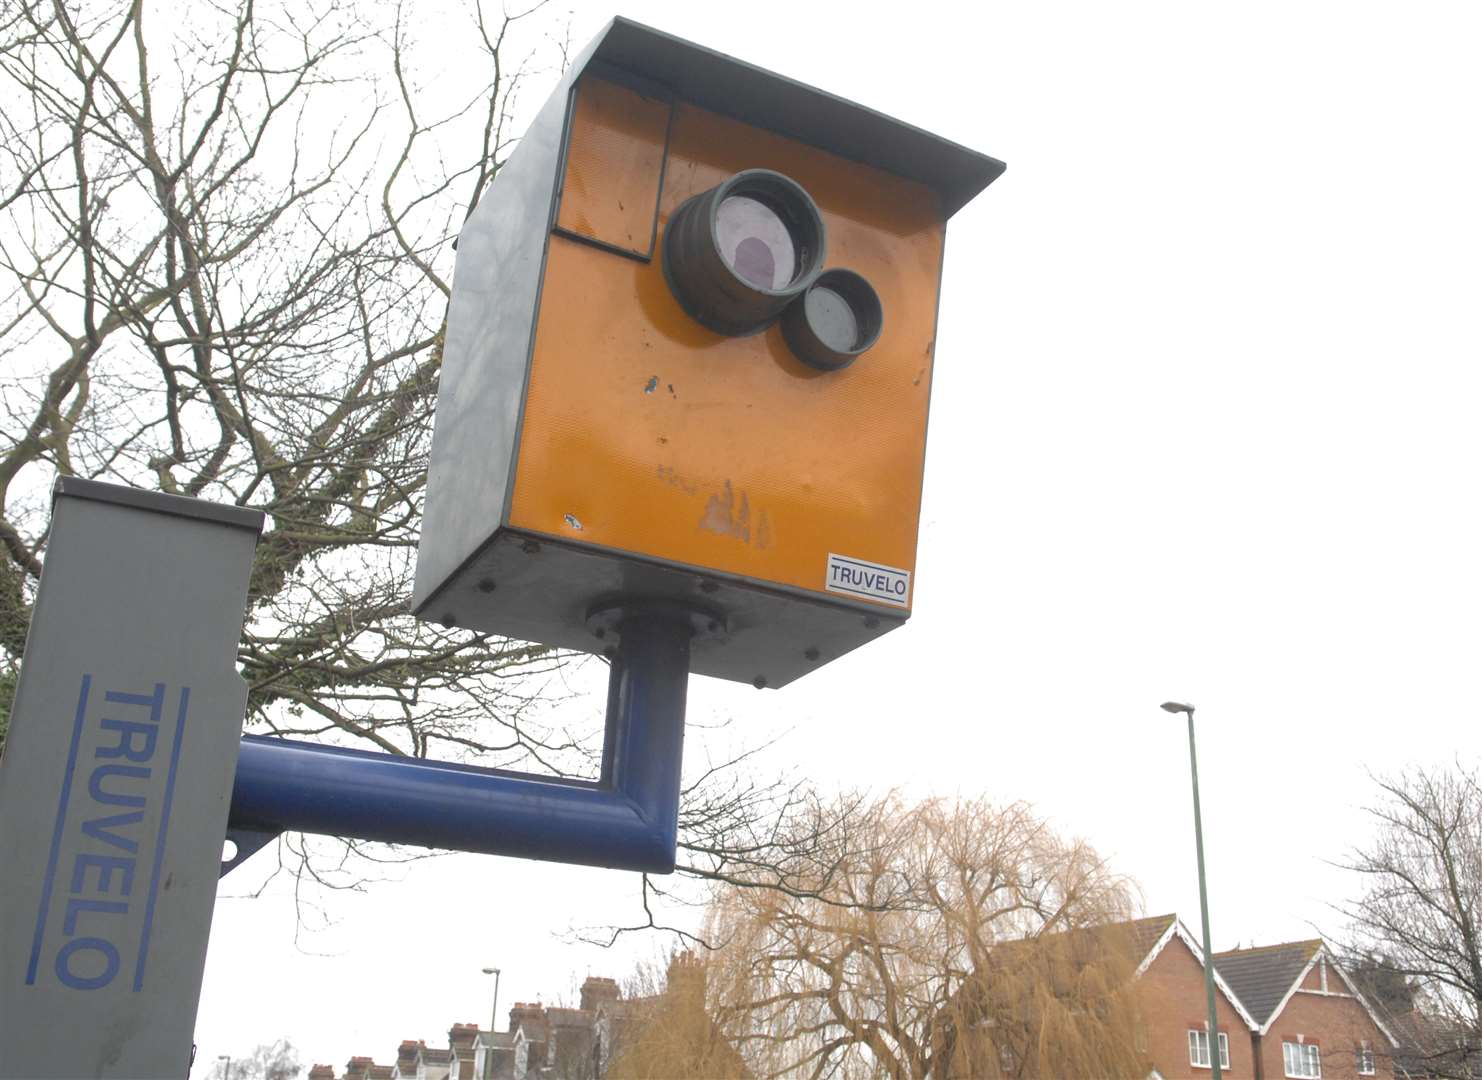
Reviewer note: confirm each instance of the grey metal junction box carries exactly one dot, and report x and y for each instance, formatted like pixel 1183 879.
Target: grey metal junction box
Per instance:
pixel 116 781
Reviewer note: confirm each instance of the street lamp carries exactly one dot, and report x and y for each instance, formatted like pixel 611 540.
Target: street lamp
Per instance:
pixel 1214 1037
pixel 227 1075
pixel 493 1023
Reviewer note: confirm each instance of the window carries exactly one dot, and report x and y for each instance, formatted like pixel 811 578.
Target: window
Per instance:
pixel 1199 1049
pixel 1365 1059
pixel 1302 1060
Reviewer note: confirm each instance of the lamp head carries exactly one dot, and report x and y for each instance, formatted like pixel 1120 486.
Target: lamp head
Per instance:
pixel 1177 707
pixel 491 971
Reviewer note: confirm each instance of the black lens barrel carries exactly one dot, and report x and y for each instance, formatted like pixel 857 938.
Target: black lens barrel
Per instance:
pixel 829 317
pixel 838 317
pixel 707 287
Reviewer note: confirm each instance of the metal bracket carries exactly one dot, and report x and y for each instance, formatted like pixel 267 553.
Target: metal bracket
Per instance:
pixel 248 842
pixel 627 820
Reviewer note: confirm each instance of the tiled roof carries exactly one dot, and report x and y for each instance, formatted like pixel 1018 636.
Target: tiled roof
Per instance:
pixel 1146 933
pixel 1261 977
pixel 1137 936
pixel 534 1031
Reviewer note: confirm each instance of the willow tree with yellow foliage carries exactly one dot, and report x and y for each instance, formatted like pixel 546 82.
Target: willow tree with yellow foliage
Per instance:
pixel 946 939
pixel 670 1030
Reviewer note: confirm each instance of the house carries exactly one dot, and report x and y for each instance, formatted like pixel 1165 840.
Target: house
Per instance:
pixel 1282 1012
pixel 360 1068
pixel 1309 1021
pixel 1129 997
pixel 431 1063
pixel 1174 1007
pixel 498 1046
pixel 415 1060
pixel 541 1043
pixel 462 1057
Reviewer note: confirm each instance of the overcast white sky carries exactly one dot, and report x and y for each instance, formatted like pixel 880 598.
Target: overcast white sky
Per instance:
pixel 1204 426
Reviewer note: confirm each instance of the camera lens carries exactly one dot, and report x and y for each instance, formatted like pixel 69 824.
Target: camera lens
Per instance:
pixel 834 321
pixel 735 256
pixel 755 242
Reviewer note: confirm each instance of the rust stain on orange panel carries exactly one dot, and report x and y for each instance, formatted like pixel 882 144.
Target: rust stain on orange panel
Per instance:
pixel 613 162
pixel 665 439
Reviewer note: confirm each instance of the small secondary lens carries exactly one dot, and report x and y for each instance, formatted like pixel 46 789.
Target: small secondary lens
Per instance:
pixel 837 319
pixel 832 319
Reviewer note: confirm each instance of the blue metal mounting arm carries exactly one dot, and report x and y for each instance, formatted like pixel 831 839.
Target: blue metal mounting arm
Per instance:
pixel 627 820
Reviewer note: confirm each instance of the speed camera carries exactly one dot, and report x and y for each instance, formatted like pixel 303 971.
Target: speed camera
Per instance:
pixel 688 360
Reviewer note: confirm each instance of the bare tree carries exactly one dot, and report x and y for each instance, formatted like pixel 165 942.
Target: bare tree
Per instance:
pixel 1419 910
pixel 226 237
pixel 225 246
pixel 222 284
pixel 952 938
pixel 269 1061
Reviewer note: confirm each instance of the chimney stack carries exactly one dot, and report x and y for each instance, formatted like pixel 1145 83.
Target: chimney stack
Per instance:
pixel 597 991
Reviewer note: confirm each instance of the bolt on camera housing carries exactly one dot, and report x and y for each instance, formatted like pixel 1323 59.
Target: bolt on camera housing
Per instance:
pixel 737 255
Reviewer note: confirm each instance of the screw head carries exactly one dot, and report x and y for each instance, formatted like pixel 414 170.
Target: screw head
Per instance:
pixel 486 585
pixel 760 682
pixel 811 652
pixel 871 621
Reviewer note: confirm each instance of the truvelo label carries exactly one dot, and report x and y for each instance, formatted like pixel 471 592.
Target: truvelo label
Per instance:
pixel 870 580
pixel 103 876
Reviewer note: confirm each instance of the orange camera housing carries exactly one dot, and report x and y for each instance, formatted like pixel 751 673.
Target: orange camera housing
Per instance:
pixel 594 440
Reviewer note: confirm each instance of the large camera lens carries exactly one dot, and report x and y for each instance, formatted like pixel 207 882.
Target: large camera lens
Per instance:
pixel 755 243
pixel 735 256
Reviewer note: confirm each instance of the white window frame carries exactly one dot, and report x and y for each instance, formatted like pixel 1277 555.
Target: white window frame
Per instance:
pixel 1365 1055
pixel 1306 1057
pixel 1199 1049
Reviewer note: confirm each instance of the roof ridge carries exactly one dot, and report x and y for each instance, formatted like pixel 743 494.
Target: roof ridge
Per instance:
pixel 1308 943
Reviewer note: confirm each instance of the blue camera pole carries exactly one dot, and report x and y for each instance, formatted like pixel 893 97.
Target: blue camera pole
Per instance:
pixel 626 820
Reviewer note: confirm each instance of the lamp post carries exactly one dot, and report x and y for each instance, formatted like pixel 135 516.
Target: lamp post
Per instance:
pixel 227 1075
pixel 493 1023
pixel 1214 1037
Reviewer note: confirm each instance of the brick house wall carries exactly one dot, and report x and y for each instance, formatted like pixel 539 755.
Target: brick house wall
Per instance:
pixel 1171 993
pixel 1299 996
pixel 1339 1025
